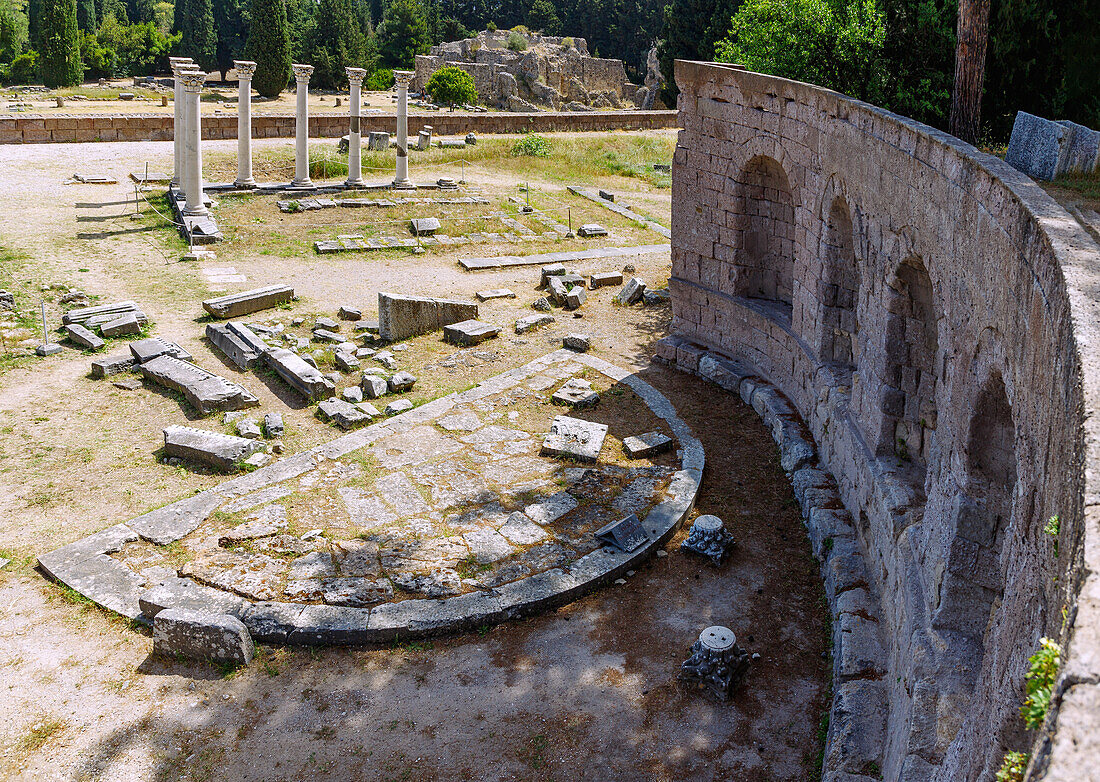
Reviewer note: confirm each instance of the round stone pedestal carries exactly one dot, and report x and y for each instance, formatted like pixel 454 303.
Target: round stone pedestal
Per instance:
pixel 716 665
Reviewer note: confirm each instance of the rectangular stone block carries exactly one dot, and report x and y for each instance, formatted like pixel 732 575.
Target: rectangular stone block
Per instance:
pixel 1038 146
pixel 469 332
pixel 112 365
pixel 232 347
pixel 219 638
pixel 600 279
pixel 401 317
pixel 217 450
pixel 292 368
pixel 121 326
pixel 237 304
pixel 205 391
pixel 102 313
pixel 82 337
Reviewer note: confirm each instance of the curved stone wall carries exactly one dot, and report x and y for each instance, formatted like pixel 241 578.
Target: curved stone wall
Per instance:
pixel 931 315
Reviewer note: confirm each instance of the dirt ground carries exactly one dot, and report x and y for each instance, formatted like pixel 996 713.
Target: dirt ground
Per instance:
pixel 586 692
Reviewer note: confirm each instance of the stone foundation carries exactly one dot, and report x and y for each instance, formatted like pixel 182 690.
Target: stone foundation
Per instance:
pixel 930 315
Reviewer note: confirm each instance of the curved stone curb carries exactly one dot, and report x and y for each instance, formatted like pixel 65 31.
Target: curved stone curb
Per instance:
pixel 84 566
pixel 857 719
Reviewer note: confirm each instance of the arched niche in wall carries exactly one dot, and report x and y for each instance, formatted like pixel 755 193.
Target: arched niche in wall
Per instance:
pixel 909 414
pixel 838 292
pixel 973 581
pixel 764 250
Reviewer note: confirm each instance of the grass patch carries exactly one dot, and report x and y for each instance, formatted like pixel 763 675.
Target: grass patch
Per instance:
pixel 39 734
pixel 1087 185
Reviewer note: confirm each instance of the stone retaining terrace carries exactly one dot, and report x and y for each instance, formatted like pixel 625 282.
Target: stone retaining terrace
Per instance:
pixel 62 128
pixel 931 315
pixel 445 518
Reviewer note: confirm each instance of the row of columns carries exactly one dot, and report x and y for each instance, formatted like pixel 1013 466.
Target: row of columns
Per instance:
pixel 187 142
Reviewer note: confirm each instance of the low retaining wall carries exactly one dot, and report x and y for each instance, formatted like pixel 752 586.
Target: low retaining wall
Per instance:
pixel 932 316
pixel 62 128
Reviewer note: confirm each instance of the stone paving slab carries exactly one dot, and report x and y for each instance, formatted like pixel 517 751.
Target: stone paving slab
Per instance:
pixel 619 209
pixel 542 259
pixel 113 569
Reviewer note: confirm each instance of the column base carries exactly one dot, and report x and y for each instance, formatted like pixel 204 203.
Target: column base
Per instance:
pixel 404 184
pixel 305 184
pixel 360 182
pixel 199 211
pixel 242 183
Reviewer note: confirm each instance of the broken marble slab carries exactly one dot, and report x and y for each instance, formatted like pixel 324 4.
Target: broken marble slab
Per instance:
pixel 122 326
pixel 176 592
pixel 591 229
pixel 495 293
pixel 252 576
pixel 205 391
pixel 469 332
pixel 576 393
pixel 292 368
pixel 235 305
pixel 221 451
pixel 632 292
pixel 402 382
pixel 153 347
pixel 645 445
pixel 92 317
pixel 521 530
pixel 373 386
pixel 573 438
pixel 82 337
pixel 112 365
pixel 424 226
pixel 398 406
pixel 551 508
pixel 343 414
pixel 530 322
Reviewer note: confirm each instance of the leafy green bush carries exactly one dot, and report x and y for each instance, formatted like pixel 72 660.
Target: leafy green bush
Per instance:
pixel 532 146
pixel 381 79
pixel 568 42
pixel 99 61
pixel 24 68
pixel 491 27
pixel 1012 768
pixel 451 86
pixel 521 29
pixel 833 45
pixel 515 42
pixel 1039 682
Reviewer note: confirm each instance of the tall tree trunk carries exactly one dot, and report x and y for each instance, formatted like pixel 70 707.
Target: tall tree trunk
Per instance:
pixel 966 98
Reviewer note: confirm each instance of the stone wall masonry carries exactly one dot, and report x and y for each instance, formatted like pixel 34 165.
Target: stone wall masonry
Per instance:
pixel 60 128
pixel 956 414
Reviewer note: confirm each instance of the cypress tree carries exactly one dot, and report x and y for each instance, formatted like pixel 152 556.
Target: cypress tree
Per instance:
pixel 86 16
pixel 682 39
pixel 337 43
pixel 231 29
pixel 60 45
pixel 194 21
pixel 404 33
pixel 269 47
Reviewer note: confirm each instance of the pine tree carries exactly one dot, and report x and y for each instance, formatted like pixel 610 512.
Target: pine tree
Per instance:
pixel 404 33
pixel 337 43
pixel 194 21
pixel 542 16
pixel 59 50
pixel 269 46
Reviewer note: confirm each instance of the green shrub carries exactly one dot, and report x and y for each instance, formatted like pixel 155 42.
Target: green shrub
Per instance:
pixel 451 86
pixel 532 146
pixel 24 68
pixel 1039 682
pixel 568 42
pixel 100 62
pixel 521 29
pixel 832 44
pixel 491 27
pixel 381 79
pixel 515 42
pixel 1012 768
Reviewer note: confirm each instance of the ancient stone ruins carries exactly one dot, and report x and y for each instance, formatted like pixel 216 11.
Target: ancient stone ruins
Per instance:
pixel 551 72
pixel 930 316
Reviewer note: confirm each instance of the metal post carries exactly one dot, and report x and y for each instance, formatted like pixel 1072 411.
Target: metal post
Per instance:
pixel 45 335
pixel 463 180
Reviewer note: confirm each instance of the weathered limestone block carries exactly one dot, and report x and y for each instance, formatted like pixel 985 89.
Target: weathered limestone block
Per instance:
pixel 632 292
pixel 81 336
pixel 292 368
pixel 237 304
pixel 205 391
pixel 401 317
pixel 112 365
pixel 529 322
pixel 469 332
pixel 185 593
pixel 1038 146
pixel 221 451
pixel 91 317
pixel 232 346
pixel 121 326
pixel 219 638
pixel 343 414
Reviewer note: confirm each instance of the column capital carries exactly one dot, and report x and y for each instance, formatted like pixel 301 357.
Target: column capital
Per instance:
pixel 180 68
pixel 356 75
pixel 174 61
pixel 245 69
pixel 302 73
pixel 193 81
pixel 402 78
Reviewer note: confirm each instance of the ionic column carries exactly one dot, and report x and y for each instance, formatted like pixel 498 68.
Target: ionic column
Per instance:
pixel 355 139
pixel 193 82
pixel 245 70
pixel 401 180
pixel 301 127
pixel 179 64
